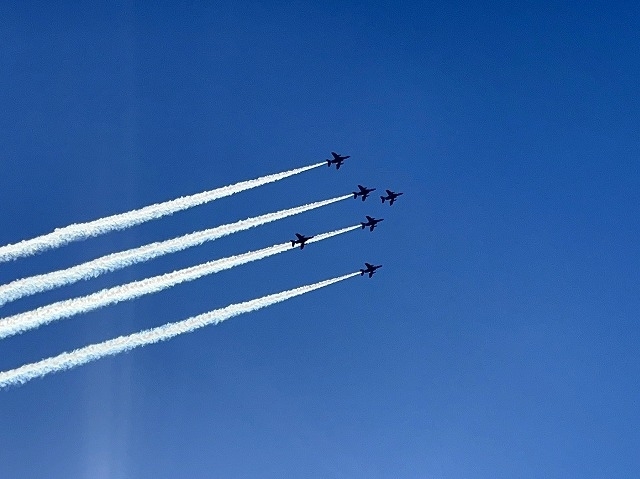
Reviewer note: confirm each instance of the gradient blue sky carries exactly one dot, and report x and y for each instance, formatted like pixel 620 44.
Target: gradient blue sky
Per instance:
pixel 500 339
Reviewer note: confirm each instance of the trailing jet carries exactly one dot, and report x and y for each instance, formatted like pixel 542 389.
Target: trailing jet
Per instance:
pixel 302 239
pixel 371 223
pixel 370 269
pixel 392 197
pixel 364 192
pixel 337 160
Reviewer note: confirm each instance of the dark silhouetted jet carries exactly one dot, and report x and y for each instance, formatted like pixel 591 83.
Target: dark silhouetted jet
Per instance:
pixel 371 223
pixel 370 269
pixel 364 192
pixel 337 160
pixel 392 197
pixel 301 240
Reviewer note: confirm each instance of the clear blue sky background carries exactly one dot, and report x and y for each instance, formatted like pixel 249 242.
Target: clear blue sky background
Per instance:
pixel 500 339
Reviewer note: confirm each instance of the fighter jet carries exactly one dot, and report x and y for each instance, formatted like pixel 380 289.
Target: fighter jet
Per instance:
pixel 301 240
pixel 392 197
pixel 364 192
pixel 370 269
pixel 371 223
pixel 337 160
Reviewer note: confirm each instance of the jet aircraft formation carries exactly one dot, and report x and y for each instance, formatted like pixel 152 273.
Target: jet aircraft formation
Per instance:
pixel 371 222
pixel 27 320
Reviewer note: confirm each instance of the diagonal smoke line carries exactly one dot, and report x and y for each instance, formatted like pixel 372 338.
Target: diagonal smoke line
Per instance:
pixel 78 357
pixel 80 231
pixel 19 323
pixel 21 288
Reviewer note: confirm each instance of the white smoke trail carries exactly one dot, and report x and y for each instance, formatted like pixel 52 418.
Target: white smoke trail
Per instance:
pixel 21 288
pixel 121 344
pixel 80 231
pixel 22 322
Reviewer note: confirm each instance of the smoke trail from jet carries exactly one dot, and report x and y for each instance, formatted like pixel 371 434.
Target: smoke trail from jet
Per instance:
pixel 78 357
pixel 80 231
pixel 44 282
pixel 22 322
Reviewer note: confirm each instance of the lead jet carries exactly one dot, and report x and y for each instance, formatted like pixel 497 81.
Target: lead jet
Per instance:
pixel 302 239
pixel 364 192
pixel 371 223
pixel 392 196
pixel 370 269
pixel 337 160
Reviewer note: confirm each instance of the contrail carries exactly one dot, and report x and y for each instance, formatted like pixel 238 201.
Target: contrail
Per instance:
pixel 64 361
pixel 80 231
pixel 21 288
pixel 22 322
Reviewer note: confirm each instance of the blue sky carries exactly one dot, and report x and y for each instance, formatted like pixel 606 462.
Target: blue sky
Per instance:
pixel 498 340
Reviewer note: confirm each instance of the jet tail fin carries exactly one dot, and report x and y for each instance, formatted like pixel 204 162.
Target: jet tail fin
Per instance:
pixel 382 198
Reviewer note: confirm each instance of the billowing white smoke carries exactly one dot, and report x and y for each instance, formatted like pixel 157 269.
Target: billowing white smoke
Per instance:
pixel 22 322
pixel 80 231
pixel 44 282
pixel 121 344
